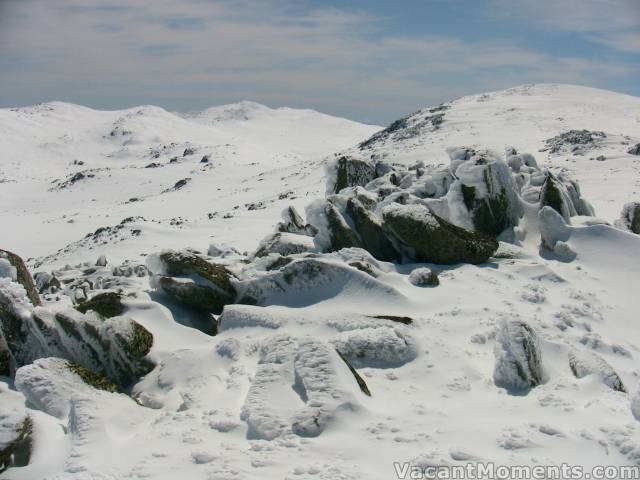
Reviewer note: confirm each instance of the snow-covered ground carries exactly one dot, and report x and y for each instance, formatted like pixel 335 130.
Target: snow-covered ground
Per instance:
pixel 267 397
pixel 259 161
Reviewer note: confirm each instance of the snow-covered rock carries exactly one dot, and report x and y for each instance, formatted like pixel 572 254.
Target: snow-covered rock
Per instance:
pixel 192 280
pixel 518 357
pixel 630 217
pixel 115 347
pixel 589 363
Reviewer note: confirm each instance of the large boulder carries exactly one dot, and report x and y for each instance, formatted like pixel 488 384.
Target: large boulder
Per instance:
pixel 518 357
pixel 23 277
pixel 351 172
pixel 193 281
pixel 371 232
pixel 426 237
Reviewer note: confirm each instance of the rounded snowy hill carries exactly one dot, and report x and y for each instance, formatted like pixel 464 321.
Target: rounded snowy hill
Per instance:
pixel 68 170
pixel 530 118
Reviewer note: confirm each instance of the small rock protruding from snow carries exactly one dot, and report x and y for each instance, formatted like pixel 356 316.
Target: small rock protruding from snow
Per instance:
pixel 630 218
pixel 588 363
pixel 101 261
pixel 518 357
pixel 635 404
pixel 635 150
pixel 382 347
pixel 424 277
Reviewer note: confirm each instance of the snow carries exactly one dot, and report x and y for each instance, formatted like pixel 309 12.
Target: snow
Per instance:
pixel 269 396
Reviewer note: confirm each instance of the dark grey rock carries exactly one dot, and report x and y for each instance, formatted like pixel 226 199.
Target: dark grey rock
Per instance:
pixel 426 237
pixel 351 172
pixel 371 232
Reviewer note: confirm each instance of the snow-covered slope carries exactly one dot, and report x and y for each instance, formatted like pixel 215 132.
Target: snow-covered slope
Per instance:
pixel 67 170
pixel 328 365
pixel 524 118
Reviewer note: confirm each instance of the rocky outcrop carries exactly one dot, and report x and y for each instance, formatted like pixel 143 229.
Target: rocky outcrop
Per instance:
pixel 23 277
pixel 426 237
pixel 193 281
pixel 518 357
pixel 113 347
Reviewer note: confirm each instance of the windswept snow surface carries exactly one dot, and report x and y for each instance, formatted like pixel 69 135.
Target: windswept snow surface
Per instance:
pixel 67 170
pixel 269 397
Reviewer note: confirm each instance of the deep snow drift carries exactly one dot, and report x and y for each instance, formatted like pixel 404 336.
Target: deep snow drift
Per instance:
pixel 459 287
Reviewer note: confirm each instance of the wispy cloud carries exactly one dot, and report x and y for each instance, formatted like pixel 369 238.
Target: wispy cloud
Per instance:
pixel 186 54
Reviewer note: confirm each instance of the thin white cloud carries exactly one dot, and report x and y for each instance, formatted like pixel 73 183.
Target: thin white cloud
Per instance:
pixel 188 53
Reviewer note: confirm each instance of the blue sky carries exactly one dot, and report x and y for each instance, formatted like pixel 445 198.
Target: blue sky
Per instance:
pixel 372 60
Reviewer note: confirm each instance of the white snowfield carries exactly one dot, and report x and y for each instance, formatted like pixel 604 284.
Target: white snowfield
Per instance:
pixel 270 396
pixel 257 161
